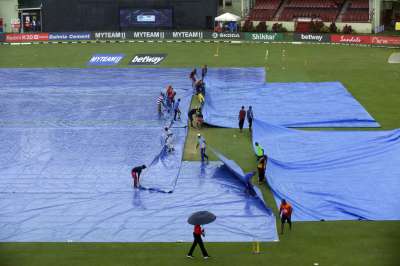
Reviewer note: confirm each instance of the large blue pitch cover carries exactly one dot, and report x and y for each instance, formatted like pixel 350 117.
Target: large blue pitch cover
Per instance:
pixel 244 178
pixel 118 213
pixel 162 173
pixel 297 104
pixel 330 175
pixel 68 140
pixel 89 97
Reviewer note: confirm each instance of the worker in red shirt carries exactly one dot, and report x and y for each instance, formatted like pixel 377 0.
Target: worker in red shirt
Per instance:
pixel 170 96
pixel 192 76
pixel 242 117
pixel 197 233
pixel 170 90
pixel 136 175
pixel 285 211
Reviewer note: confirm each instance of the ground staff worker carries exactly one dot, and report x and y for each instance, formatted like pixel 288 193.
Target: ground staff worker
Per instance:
pixel 285 211
pixel 259 151
pixel 136 175
pixel 261 166
pixel 201 142
pixel 242 117
pixel 190 115
pixel 250 117
pixel 197 233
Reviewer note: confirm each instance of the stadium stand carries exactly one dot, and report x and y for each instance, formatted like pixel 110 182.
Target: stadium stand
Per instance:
pixel 357 11
pixel 313 4
pixel 264 10
pixel 316 13
pixel 287 10
pixel 326 10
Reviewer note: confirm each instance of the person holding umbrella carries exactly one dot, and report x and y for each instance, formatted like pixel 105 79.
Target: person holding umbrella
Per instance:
pixel 197 233
pixel 197 219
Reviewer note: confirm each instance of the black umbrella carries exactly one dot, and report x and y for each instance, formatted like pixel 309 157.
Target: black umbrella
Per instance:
pixel 201 217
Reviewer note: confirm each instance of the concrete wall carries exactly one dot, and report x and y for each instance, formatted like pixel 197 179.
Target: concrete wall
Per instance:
pixel 235 8
pixel 103 15
pixel 8 11
pixel 377 10
pixel 289 25
pixel 358 27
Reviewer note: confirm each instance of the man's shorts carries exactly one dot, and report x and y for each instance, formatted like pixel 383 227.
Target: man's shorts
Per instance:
pixel 286 219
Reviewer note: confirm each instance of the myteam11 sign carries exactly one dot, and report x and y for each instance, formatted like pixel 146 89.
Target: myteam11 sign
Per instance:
pixel 105 59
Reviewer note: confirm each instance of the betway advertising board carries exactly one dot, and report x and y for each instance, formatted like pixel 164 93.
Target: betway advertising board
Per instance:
pixel 69 36
pixel 264 37
pixel 351 39
pixel 311 37
pixel 147 59
pixel 383 40
pixel 27 37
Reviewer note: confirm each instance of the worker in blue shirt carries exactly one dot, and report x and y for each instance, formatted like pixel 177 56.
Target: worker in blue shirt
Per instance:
pixel 177 112
pixel 250 117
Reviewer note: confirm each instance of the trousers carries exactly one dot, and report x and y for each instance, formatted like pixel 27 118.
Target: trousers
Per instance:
pixel 199 241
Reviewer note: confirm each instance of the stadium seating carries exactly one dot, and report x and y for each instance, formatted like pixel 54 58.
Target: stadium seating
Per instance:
pixel 262 14
pixel 264 10
pixel 325 14
pixel 358 11
pixel 326 10
pixel 265 4
pixel 359 4
pixel 313 4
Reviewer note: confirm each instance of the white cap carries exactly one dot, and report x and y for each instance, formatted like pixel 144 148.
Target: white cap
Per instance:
pixel 199 135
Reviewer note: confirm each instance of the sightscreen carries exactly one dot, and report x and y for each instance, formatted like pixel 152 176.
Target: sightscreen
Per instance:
pixel 146 18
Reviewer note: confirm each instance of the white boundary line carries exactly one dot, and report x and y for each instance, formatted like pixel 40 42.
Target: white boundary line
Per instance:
pixel 197 41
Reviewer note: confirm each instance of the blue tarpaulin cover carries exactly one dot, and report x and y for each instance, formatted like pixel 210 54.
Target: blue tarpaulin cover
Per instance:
pixel 297 104
pixel 68 140
pixel 114 212
pixel 244 178
pixel 333 175
pixel 88 97
pixel 163 171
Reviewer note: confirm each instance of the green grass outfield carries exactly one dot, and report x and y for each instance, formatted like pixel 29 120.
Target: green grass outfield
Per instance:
pixel 363 70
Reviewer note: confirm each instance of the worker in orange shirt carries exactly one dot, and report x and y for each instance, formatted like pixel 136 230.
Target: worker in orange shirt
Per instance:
pixel 285 212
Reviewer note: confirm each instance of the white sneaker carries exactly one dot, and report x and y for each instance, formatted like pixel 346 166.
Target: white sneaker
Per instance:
pixel 189 256
pixel 206 257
